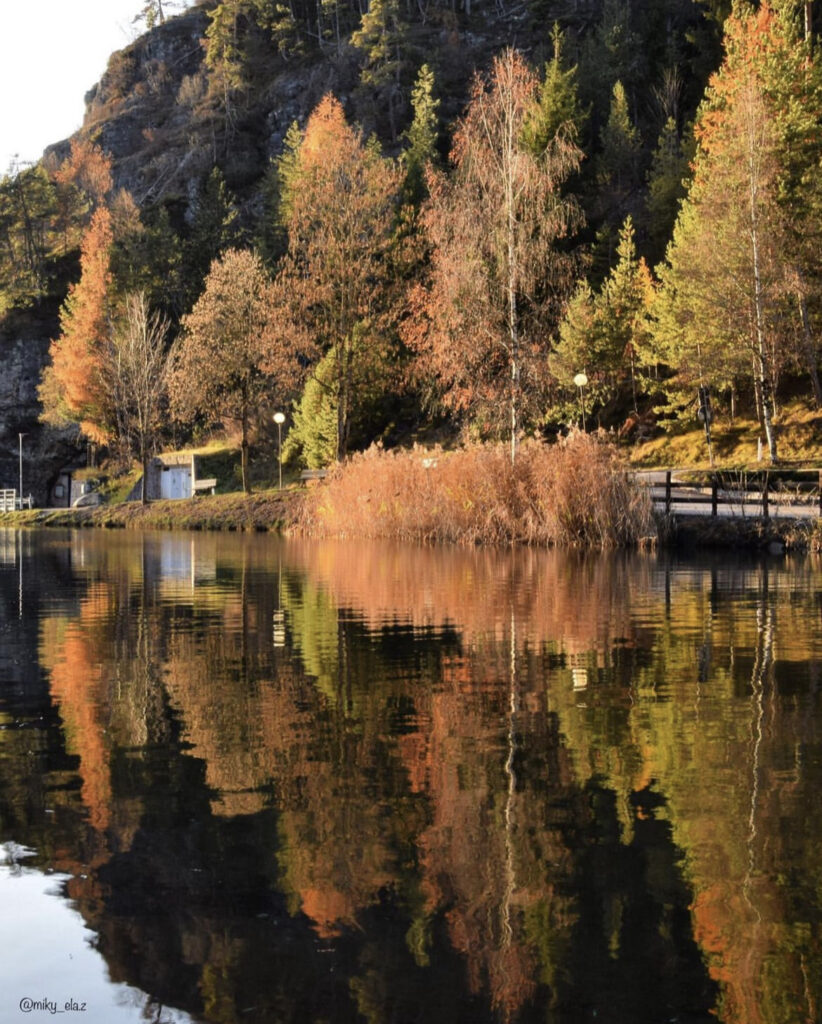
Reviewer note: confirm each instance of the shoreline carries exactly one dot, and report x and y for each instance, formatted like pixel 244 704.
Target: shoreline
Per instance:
pixel 269 511
pixel 273 511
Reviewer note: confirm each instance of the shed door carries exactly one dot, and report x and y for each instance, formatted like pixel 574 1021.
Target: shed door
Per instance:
pixel 175 482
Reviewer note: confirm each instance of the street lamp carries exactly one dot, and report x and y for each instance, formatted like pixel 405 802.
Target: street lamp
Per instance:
pixel 581 380
pixel 20 443
pixel 279 419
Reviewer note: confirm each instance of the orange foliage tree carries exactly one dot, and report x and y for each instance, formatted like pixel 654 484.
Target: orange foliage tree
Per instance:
pixel 74 385
pixel 500 273
pixel 332 290
pixel 230 356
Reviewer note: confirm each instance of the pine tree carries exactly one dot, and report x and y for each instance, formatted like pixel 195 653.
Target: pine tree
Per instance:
pixel 618 165
pixel 604 334
pixel 667 185
pixel 225 55
pixel 213 231
pixel 558 108
pixel 421 137
pixel 382 39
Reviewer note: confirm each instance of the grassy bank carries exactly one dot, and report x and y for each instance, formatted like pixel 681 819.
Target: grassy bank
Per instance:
pixel 574 493
pixel 798 432
pixel 264 510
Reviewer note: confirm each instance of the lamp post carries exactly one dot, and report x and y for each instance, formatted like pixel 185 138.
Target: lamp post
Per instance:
pixel 581 380
pixel 279 419
pixel 20 448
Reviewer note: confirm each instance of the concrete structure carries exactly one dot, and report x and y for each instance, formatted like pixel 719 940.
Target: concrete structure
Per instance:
pixel 173 476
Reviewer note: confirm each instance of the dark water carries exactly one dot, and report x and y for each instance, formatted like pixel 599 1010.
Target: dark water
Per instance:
pixel 251 780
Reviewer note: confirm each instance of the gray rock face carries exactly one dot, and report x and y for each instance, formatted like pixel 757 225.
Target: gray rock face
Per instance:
pixel 44 449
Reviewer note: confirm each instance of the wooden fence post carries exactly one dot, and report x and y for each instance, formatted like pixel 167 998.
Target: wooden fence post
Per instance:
pixel 714 496
pixel 668 493
pixel 765 496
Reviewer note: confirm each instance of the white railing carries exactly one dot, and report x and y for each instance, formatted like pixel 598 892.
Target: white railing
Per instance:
pixel 9 501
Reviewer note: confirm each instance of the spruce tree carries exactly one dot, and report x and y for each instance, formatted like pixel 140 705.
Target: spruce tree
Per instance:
pixel 421 137
pixel 558 107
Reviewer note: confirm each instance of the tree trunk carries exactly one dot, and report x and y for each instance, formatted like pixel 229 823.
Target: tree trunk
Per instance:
pixel 513 326
pixel 759 312
pixel 244 450
pixel 344 388
pixel 808 347
pixel 145 460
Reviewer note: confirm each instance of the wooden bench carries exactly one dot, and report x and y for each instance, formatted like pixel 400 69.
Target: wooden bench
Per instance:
pixel 308 475
pixel 208 483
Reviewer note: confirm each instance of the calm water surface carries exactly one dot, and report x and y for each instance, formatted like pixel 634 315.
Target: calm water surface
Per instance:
pixel 243 779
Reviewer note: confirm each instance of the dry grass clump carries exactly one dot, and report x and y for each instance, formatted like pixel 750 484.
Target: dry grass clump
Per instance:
pixel 575 492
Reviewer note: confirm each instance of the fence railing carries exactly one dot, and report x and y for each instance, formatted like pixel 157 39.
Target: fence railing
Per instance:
pixel 11 502
pixel 761 494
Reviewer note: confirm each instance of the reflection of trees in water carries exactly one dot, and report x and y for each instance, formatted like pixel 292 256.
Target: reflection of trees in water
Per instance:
pixel 412 781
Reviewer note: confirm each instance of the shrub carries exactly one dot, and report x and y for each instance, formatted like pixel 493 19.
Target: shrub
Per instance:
pixel 575 492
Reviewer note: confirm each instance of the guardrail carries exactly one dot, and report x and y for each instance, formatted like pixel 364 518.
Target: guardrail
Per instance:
pixel 762 494
pixel 10 502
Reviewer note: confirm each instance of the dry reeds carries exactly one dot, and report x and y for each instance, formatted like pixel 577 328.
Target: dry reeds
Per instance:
pixel 575 492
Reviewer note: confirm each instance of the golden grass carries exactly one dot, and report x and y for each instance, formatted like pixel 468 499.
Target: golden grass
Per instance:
pixel 798 433
pixel 574 493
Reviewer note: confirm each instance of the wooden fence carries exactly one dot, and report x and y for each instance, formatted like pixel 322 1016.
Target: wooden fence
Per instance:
pixel 795 493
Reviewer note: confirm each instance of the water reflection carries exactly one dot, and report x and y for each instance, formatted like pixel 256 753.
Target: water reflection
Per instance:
pixel 291 781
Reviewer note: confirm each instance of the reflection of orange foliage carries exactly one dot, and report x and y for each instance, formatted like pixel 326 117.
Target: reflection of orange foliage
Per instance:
pixel 581 602
pixel 78 684
pixel 727 928
pixel 327 908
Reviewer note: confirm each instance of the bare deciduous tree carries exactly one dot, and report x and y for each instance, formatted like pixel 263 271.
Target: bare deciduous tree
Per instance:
pixel 139 360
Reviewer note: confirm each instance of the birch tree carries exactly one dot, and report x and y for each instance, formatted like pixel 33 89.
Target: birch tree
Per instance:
pixel 498 226
pixel 139 359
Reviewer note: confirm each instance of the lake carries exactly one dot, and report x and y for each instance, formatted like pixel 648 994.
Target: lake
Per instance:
pixel 247 779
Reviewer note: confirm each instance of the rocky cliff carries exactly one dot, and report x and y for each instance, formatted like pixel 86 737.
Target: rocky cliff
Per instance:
pixel 24 342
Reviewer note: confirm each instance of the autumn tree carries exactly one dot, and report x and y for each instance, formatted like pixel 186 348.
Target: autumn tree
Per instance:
pixel 499 227
pixel 793 82
pixel 338 208
pixel 230 356
pixel 87 170
pixel 74 387
pixel 139 357
pixel 723 276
